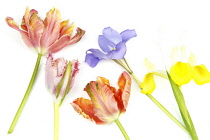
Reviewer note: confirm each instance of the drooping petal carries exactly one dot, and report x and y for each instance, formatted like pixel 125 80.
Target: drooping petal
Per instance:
pixel 181 73
pixel 112 35
pixel 85 108
pixel 128 34
pixel 33 25
pixel 76 37
pixel 119 53
pixel 148 84
pixel 58 44
pixel 52 28
pixel 91 60
pixel 10 21
pixel 104 102
pixel 200 74
pixel 105 44
pixel 123 94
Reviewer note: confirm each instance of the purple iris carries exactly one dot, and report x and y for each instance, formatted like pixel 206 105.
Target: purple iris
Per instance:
pixel 112 45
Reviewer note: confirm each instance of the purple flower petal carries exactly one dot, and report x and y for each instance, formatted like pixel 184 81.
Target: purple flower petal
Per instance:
pixel 119 53
pixel 112 35
pixel 91 60
pixel 105 44
pixel 128 34
pixel 96 53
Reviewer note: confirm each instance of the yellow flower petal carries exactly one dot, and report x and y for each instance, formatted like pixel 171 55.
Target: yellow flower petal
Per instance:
pixel 181 73
pixel 148 85
pixel 201 74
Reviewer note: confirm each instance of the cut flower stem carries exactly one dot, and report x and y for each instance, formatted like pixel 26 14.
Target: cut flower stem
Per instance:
pixel 25 98
pixel 122 129
pixel 56 120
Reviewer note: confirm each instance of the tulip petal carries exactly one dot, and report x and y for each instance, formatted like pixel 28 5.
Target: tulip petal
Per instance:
pixel 52 28
pixel 85 108
pixel 123 93
pixel 148 85
pixel 103 80
pixel 105 44
pixel 65 28
pixel 55 70
pixel 104 102
pixel 33 25
pixel 59 44
pixel 10 21
pixel 76 37
pixel 181 73
pixel 201 75
pixel 112 35
pixel 128 34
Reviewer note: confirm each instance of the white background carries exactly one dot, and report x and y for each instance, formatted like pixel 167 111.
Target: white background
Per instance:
pixel 160 25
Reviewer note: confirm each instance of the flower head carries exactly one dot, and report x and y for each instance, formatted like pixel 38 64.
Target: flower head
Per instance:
pixel 46 36
pixel 60 75
pixel 112 45
pixel 106 102
pixel 182 72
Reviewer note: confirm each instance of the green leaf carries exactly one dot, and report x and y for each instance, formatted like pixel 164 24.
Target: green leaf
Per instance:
pixel 183 108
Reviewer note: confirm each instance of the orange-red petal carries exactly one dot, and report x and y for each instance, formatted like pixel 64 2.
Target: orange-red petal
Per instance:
pixel 85 108
pixel 123 94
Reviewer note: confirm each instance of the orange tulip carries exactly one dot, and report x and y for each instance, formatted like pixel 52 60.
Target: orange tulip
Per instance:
pixel 106 103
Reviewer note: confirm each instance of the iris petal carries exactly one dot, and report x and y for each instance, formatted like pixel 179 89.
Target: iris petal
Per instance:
pixel 148 85
pixel 181 73
pixel 105 44
pixel 112 35
pixel 91 60
pixel 97 53
pixel 201 74
pixel 119 53
pixel 128 34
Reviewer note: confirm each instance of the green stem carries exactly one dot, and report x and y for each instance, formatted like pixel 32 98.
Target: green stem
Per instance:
pixel 122 129
pixel 56 120
pixel 25 98
pixel 167 113
pixel 162 107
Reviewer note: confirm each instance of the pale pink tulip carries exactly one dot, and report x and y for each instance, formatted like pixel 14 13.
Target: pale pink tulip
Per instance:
pixel 60 75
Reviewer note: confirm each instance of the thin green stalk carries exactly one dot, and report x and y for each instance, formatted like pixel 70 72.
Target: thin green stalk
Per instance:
pixel 25 98
pixel 167 113
pixel 56 120
pixel 162 107
pixel 122 129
